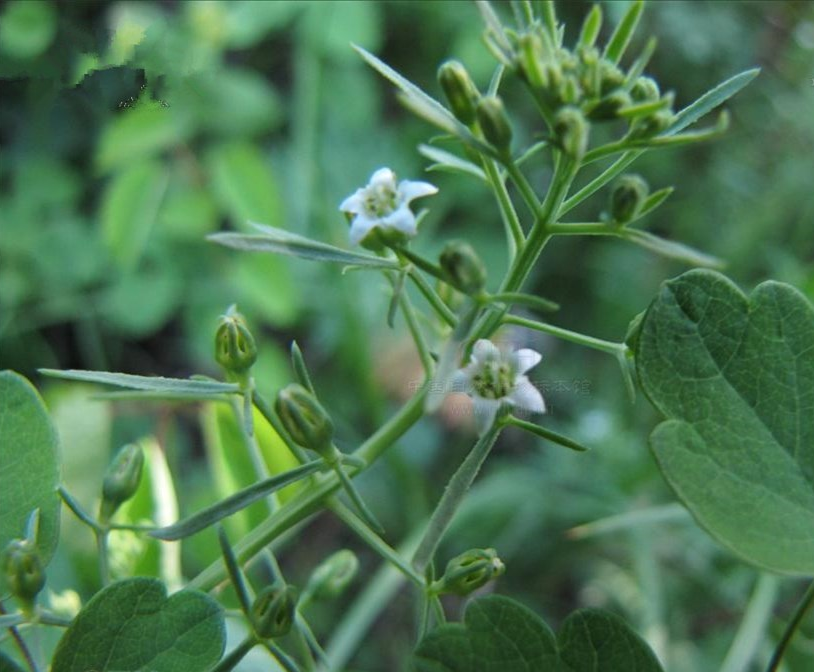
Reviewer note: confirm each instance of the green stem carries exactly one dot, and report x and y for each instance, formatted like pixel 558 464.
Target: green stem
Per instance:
pixel 523 186
pixel 287 664
pixel 601 180
pixel 432 297
pixel 20 644
pixel 544 433
pixel 356 498
pixel 514 232
pixel 582 229
pixel 415 331
pixel 519 298
pixel 749 637
pixel 77 510
pixel 375 541
pixel 49 618
pixel 237 654
pixel 419 262
pixel 451 499
pixel 574 337
pixel 101 545
pixel 791 628
pixel 308 502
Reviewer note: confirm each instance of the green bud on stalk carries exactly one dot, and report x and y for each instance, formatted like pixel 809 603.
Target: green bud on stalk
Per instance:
pixel 469 571
pixel 627 197
pixel 652 125
pixel 305 420
pixel 235 349
pixel 121 479
pixel 462 267
pixel 572 131
pixel 645 89
pixel 494 123
pixel 273 611
pixel 333 575
pixel 23 571
pixel 608 107
pixel 459 90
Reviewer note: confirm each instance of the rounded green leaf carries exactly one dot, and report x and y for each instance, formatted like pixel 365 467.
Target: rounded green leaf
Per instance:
pixel 27 28
pixel 29 466
pixel 500 635
pixel 132 626
pixel 734 375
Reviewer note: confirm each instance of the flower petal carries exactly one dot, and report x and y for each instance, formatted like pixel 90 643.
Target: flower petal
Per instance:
pixel 402 220
pixel 383 177
pixel 484 351
pixel 408 190
pixel 360 227
pixel 354 203
pixel 484 411
pixel 524 395
pixel 525 359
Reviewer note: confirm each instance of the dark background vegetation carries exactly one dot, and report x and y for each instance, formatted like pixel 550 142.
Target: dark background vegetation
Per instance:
pixel 131 130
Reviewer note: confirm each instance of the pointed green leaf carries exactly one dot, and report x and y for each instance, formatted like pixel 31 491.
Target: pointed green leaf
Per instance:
pixel 671 249
pixel 501 635
pixel 654 200
pixel 448 162
pixel 734 376
pixel 591 27
pixel 278 241
pixel 29 466
pixel 182 386
pixel 130 205
pixel 624 32
pixel 240 500
pixel 710 100
pixel 132 626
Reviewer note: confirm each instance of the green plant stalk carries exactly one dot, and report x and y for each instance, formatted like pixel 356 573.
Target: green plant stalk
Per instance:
pixel 791 628
pixel 309 502
pixel 375 541
pixel 608 347
pixel 749 637
pixel 230 660
pixel 418 336
pixel 432 297
pixel 523 186
pixel 19 642
pixel 454 493
pixel 515 237
pixel 286 663
pixel 101 548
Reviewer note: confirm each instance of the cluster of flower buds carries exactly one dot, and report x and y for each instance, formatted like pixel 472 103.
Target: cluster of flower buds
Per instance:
pixel 273 611
pixel 469 571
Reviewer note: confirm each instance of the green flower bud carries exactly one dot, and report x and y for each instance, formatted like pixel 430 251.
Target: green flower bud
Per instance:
pixel 273 611
pixel 235 349
pixel 610 77
pixel 305 419
pixel 23 570
pixel 572 131
pixel 469 571
pixel 652 125
pixel 530 61
pixel 494 123
pixel 644 90
pixel 333 575
pixel 121 479
pixel 633 331
pixel 608 107
pixel 460 91
pixel 627 197
pixel 462 267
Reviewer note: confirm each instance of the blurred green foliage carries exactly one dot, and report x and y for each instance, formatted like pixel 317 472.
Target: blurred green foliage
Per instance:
pixel 130 130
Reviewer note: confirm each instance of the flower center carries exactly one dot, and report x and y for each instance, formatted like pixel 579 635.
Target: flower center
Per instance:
pixel 380 200
pixel 494 381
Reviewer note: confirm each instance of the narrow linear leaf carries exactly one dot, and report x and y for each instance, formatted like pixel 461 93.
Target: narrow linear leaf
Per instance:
pixel 233 569
pixel 230 505
pixel 671 249
pixel 590 27
pixel 278 241
pixel 530 300
pixel 654 200
pixel 641 62
pixel 710 100
pixel 191 386
pixel 29 466
pixel 624 32
pixel 547 434
pixel 448 162
pixel 132 626
pixel 493 25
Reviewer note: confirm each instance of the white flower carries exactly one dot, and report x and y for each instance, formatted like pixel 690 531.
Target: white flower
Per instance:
pixel 384 205
pixel 493 378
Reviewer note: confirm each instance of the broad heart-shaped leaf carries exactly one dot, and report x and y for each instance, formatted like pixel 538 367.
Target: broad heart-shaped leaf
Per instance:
pixel 735 377
pixel 500 635
pixel 132 626
pixel 29 466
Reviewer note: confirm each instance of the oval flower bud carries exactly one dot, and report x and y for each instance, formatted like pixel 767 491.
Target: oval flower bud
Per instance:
pixel 235 349
pixel 23 571
pixel 645 89
pixel 572 130
pixel 273 611
pixel 333 575
pixel 121 479
pixel 469 571
pixel 608 107
pixel 494 123
pixel 647 127
pixel 462 267
pixel 627 197
pixel 306 421
pixel 459 90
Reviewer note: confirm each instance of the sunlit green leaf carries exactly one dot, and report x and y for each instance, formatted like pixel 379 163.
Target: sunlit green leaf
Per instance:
pixel 501 635
pixel 132 626
pixel 624 32
pixel 155 383
pixel 29 466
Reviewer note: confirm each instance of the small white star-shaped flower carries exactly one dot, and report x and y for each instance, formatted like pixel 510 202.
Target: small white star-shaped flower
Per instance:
pixel 385 205
pixel 493 379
